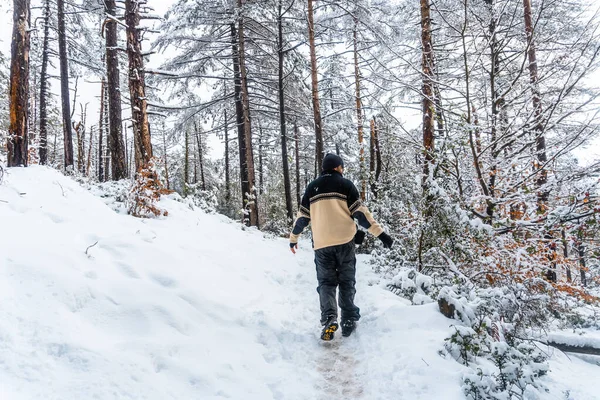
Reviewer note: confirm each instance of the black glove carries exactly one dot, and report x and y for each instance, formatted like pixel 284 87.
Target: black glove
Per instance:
pixel 359 237
pixel 386 240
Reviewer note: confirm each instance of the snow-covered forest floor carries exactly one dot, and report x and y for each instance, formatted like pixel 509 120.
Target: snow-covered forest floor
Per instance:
pixel 95 304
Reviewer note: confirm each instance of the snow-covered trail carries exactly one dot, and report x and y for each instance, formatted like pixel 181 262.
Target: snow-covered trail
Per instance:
pixel 99 305
pixel 186 307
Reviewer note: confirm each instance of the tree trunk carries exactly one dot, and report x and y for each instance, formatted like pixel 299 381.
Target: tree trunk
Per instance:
pixel 538 126
pixel 315 89
pixel 116 143
pixel 137 86
pixel 253 198
pixel 64 86
pixel 88 168
pixel 582 266
pixel 261 175
pixel 284 154
pixel 186 163
pixel 164 138
pixel 239 114
pixel 297 141
pixel 77 127
pixel 227 178
pixel 375 159
pixel 101 132
pixel 19 85
pixel 200 154
pixel 566 254
pixel 497 107
pixel 359 116
pixel 43 150
pixel 427 89
pixel 106 154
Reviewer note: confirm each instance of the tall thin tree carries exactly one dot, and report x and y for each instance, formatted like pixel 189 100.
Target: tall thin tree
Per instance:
pixel 252 204
pixel 280 89
pixel 19 85
pixel 116 143
pixel 538 125
pixel 137 85
pixel 43 146
pixel 315 89
pixel 64 87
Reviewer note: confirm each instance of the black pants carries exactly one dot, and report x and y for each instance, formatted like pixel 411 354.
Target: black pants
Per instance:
pixel 336 266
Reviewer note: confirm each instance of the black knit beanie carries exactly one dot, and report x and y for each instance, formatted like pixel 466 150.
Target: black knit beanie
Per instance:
pixel 332 161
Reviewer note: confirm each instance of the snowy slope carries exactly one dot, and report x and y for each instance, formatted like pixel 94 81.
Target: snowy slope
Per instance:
pixel 193 307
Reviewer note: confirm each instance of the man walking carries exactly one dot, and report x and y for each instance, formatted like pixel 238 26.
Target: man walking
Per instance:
pixel 330 204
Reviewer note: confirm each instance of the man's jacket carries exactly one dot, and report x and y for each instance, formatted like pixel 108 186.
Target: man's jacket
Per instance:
pixel 330 204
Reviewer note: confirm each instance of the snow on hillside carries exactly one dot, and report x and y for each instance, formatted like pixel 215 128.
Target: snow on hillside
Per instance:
pixel 98 305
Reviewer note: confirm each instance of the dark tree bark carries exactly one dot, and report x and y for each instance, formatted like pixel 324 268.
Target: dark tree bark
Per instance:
pixel 538 125
pixel 88 168
pixel 116 142
pixel 78 128
pixel 166 161
pixel 239 114
pixel 261 171
pixel 427 87
pixel 186 163
pixel 284 153
pixel 315 89
pixel 359 115
pixel 375 161
pixel 43 149
pixel 227 177
pixel 497 108
pixel 137 85
pixel 64 86
pixel 19 85
pixel 582 266
pixel 199 142
pixel 106 154
pixel 297 142
pixel 252 205
pixel 427 91
pixel 101 127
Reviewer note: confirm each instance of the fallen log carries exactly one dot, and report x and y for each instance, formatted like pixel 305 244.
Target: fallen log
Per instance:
pixel 569 348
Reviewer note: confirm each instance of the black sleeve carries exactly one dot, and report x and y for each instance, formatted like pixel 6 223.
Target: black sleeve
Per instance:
pixel 303 217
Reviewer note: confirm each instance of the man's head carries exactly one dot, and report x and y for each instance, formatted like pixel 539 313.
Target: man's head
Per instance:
pixel 333 162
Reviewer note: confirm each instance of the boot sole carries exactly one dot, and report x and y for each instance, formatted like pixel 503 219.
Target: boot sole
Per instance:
pixel 328 333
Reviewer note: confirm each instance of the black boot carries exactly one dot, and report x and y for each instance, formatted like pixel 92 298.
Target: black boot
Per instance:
pixel 329 328
pixel 348 326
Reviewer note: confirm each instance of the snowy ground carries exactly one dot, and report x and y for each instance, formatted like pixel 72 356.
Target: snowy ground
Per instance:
pixel 99 305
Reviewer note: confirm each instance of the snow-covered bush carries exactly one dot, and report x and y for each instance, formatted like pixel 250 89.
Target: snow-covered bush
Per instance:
pixel 412 285
pixel 145 193
pixel 491 339
pixel 206 200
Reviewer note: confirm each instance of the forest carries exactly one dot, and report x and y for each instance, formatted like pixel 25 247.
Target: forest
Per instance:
pixel 470 128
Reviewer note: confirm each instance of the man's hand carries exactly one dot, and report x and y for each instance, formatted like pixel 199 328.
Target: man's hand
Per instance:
pixel 386 240
pixel 293 247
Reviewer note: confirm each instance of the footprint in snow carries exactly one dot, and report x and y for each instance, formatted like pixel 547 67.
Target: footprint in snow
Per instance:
pixel 128 271
pixel 337 368
pixel 164 281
